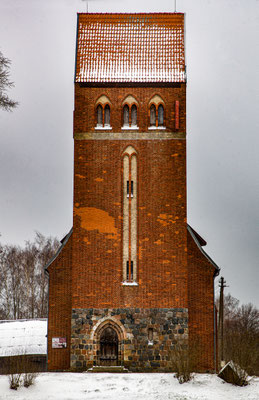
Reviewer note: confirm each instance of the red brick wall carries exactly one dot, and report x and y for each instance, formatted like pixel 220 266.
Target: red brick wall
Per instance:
pixel 86 98
pixel 201 305
pixel 162 241
pixel 88 272
pixel 59 319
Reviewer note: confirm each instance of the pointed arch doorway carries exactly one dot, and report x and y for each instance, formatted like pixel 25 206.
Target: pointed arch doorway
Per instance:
pixel 108 339
pixel 109 347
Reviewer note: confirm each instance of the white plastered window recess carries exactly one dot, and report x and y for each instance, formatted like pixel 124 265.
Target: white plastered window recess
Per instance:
pixel 129 241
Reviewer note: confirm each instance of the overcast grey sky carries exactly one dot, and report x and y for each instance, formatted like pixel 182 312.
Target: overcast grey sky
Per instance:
pixel 36 146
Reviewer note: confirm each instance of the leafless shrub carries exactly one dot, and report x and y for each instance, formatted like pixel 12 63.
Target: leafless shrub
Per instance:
pixel 21 371
pixel 30 374
pixel 14 381
pixel 183 359
pixel 14 372
pixel 29 378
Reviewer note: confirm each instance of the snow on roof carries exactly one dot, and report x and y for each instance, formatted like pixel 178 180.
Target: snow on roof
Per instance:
pixel 23 337
pixel 130 48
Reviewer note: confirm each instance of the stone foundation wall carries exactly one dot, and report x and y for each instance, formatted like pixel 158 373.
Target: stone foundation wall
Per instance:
pixel 136 351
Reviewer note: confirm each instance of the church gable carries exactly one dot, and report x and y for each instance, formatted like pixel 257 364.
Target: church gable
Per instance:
pixel 200 242
pixel 56 258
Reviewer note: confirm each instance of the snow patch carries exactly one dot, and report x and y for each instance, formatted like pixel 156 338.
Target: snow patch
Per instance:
pixel 23 337
pixel 129 386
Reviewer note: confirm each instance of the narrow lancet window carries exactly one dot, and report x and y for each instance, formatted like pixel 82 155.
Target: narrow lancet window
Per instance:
pixel 152 115
pixel 133 115
pixel 160 115
pixel 126 115
pixel 99 116
pixel 107 115
pixel 130 272
pixel 150 335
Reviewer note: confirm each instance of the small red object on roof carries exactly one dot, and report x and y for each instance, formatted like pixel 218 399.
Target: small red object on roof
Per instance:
pixel 130 48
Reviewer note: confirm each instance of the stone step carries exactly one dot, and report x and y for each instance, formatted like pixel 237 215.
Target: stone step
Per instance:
pixel 108 368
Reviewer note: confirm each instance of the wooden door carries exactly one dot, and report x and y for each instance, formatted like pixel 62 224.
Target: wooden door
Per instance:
pixel 109 347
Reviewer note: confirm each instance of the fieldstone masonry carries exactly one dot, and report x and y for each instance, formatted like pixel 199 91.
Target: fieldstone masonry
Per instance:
pixel 136 351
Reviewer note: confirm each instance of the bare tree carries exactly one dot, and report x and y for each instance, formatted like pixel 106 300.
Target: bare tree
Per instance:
pixel 3 310
pixel 230 306
pixel 23 284
pixel 12 287
pixel 47 247
pixel 30 278
pixel 241 334
pixel 5 102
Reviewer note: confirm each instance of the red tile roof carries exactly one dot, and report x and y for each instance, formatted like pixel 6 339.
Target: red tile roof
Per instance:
pixel 130 48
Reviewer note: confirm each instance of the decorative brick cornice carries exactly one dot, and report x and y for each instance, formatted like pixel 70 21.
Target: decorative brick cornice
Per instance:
pixel 134 135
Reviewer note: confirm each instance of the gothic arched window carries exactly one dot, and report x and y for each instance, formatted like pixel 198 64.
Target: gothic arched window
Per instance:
pixel 126 115
pixel 99 116
pixel 152 115
pixel 134 115
pixel 157 112
pixel 160 115
pixel 130 113
pixel 157 116
pixel 107 113
pixel 103 113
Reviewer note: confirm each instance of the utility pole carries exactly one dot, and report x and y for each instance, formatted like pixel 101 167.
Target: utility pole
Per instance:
pixel 222 285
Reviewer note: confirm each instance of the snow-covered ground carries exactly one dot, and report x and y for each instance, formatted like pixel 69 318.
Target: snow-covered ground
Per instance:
pixel 20 337
pixel 23 337
pixel 131 386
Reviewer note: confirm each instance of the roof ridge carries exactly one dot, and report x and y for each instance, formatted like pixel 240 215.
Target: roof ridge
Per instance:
pixel 191 231
pixel 140 13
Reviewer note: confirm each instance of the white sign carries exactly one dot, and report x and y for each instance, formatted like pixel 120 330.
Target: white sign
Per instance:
pixel 59 342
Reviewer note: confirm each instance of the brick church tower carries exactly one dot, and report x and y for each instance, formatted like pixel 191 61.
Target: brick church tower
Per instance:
pixel 131 279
